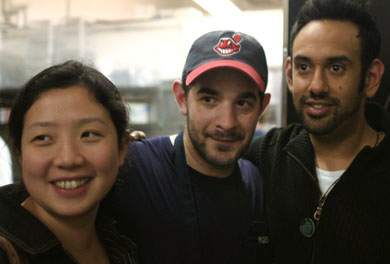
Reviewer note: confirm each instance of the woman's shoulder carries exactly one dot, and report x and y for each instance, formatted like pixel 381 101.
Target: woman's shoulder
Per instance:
pixel 10 253
pixel 3 256
pixel 19 226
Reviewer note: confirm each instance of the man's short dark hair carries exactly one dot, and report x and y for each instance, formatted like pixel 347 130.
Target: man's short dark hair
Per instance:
pixel 354 11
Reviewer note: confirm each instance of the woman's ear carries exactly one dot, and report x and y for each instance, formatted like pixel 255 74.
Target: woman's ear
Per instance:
pixel 180 96
pixel 373 77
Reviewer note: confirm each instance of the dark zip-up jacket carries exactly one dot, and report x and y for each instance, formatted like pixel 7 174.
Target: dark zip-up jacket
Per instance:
pixel 39 245
pixel 354 226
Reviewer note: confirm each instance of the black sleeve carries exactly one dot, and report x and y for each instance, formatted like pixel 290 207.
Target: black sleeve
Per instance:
pixel 3 257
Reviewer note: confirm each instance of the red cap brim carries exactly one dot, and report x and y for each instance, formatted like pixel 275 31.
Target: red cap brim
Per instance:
pixel 227 63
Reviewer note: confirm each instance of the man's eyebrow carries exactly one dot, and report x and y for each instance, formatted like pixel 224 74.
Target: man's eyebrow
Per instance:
pixel 341 58
pixel 301 58
pixel 248 95
pixel 206 90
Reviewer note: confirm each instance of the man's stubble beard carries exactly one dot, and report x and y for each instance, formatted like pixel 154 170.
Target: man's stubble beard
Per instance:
pixel 200 147
pixel 317 126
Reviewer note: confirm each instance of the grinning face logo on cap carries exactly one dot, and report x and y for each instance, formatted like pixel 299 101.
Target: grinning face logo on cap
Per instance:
pixel 228 46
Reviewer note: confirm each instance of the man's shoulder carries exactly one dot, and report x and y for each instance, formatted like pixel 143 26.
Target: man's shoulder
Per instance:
pixel 249 172
pixel 279 136
pixel 154 142
pixel 247 166
pixel 151 147
pixel 275 140
pixel 146 155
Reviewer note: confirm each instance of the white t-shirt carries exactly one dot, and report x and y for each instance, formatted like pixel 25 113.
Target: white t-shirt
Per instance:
pixel 326 178
pixel 5 164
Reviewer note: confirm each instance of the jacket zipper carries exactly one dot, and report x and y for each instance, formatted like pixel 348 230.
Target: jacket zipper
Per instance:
pixel 321 202
pixel 317 216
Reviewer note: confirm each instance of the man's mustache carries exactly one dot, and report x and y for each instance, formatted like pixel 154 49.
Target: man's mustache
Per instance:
pixel 225 135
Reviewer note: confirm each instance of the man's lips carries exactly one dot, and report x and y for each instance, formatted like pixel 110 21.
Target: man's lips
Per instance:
pixel 318 108
pixel 225 136
pixel 224 144
pixel 225 139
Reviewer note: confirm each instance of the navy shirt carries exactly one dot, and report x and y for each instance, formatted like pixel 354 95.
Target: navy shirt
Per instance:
pixel 219 204
pixel 148 204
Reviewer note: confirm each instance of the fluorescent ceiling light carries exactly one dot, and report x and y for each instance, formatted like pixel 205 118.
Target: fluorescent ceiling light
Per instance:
pixel 219 7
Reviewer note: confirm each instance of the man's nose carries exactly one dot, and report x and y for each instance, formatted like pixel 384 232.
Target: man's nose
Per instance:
pixel 226 117
pixel 319 84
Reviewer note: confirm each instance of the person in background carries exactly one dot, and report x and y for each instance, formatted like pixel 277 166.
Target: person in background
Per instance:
pixel 327 180
pixel 190 198
pixel 69 129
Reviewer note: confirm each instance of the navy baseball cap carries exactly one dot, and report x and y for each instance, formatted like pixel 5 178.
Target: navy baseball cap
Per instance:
pixel 236 50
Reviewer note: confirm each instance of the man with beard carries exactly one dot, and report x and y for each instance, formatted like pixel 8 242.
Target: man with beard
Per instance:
pixel 189 198
pixel 327 181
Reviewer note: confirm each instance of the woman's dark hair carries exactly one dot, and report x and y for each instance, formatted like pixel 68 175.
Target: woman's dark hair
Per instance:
pixel 62 76
pixel 354 11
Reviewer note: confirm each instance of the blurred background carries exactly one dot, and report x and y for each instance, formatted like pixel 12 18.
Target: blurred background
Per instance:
pixel 141 45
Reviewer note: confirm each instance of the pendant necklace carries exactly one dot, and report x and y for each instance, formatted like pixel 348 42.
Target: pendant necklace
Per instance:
pixel 307 226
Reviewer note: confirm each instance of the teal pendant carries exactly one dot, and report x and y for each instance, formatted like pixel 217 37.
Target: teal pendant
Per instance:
pixel 307 227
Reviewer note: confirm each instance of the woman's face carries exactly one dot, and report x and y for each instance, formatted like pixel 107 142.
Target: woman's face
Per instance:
pixel 69 153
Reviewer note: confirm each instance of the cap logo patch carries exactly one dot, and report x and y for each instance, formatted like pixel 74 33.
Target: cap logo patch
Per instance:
pixel 228 46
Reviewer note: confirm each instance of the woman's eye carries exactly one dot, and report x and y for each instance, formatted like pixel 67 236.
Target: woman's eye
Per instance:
pixel 89 134
pixel 41 138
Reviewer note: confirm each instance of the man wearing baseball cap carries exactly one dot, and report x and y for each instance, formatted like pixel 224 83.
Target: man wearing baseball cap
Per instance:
pixel 189 198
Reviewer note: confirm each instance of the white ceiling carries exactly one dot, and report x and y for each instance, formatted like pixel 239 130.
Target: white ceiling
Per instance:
pixel 113 10
pixel 242 4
